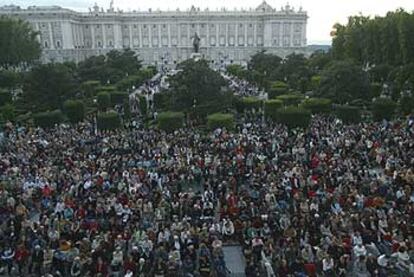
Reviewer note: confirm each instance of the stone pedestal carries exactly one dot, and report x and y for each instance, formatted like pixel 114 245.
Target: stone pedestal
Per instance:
pixel 196 56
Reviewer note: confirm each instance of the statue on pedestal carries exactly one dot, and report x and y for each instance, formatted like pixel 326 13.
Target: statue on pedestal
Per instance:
pixel 196 43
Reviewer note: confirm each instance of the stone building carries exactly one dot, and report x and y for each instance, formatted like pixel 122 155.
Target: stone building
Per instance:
pixel 165 37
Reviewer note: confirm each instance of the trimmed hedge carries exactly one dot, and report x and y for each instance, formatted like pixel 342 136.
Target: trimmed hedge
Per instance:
pixel 74 110
pixel 48 119
pixel 108 121
pixel 383 108
pixel 277 88
pixel 290 99
pixel 271 107
pixel 170 121
pixel 407 104
pixel 348 114
pixel 317 105
pixel 293 116
pixel 8 112
pixel 250 103
pixel 104 100
pixel 5 97
pixel 108 89
pixel 143 107
pixel 220 120
pixel 90 88
pixel 118 97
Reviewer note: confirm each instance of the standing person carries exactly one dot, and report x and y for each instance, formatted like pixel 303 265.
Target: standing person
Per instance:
pixel 36 265
pixel 328 266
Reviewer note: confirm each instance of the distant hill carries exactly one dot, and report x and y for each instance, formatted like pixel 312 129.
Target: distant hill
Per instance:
pixel 316 47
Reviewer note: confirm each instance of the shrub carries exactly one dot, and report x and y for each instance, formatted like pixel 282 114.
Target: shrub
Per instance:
pixel 162 100
pixel 170 121
pixel 74 110
pixel 48 119
pixel 108 89
pixel 383 108
pixel 104 101
pixel 89 88
pixel 348 114
pixel 376 89
pixel 315 82
pixel 407 104
pixel 277 88
pixel 143 107
pixel 8 112
pixel 290 99
pixel 271 107
pixel 292 116
pixel 317 105
pixel 118 97
pixel 108 121
pixel 250 103
pixel 220 120
pixel 5 97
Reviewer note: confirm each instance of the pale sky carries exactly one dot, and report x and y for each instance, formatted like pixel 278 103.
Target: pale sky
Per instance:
pixel 323 14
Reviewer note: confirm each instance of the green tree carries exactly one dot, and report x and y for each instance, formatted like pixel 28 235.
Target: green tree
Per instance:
pixel 5 97
pixel 47 86
pixel 170 121
pixel 197 88
pixel 48 119
pixel 90 88
pixel 277 88
pixel 108 121
pixel 237 70
pixel 74 110
pixel 18 44
pixel 344 81
pixel 104 101
pixel 10 79
pixel 8 112
pixel 383 108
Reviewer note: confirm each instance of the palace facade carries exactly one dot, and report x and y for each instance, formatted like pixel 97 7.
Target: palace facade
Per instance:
pixel 166 37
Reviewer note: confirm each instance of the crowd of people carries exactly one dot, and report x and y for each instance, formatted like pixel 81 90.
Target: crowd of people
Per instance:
pixel 244 88
pixel 332 200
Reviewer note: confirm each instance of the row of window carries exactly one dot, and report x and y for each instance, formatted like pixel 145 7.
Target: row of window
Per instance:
pixel 46 44
pixel 164 26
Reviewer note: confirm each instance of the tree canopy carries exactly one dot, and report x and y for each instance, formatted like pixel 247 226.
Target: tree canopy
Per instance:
pixel 47 86
pixel 18 43
pixel 111 68
pixel 379 40
pixel 198 87
pixel 344 81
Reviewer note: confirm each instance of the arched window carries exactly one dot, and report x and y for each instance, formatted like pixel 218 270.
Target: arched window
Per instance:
pixel 46 44
pixel 58 44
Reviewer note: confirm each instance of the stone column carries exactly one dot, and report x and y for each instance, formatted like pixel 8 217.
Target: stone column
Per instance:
pixel 217 35
pixel 131 43
pixel 207 35
pixel 140 35
pixel 188 35
pixel 255 34
pixel 236 35
pixel 52 43
pixel 169 35
pixel 150 36
pixel 159 36
pixel 103 36
pixel 281 26
pixel 291 34
pixel 245 35
pixel 92 27
pixel 227 34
